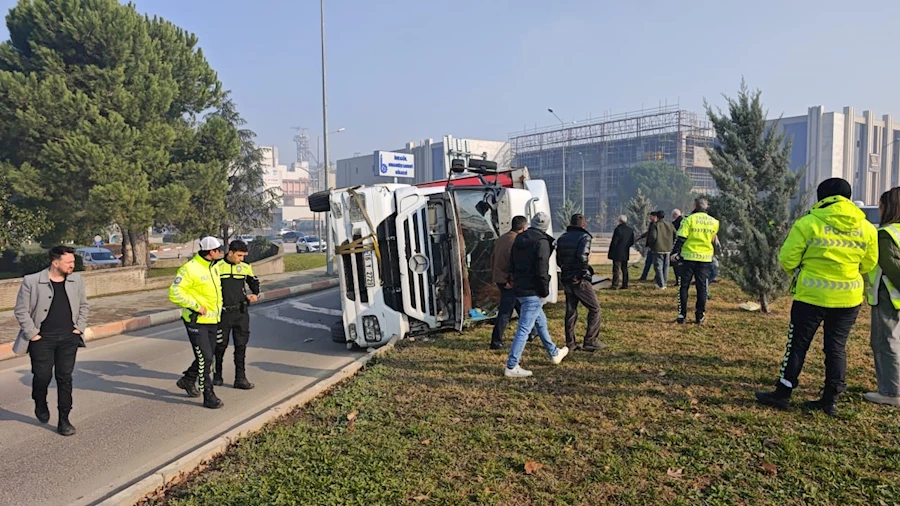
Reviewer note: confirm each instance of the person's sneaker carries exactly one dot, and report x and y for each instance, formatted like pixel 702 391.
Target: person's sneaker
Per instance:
pixel 591 348
pixel 211 401
pixel 188 386
pixel 701 319
pixel 243 384
pixel 495 346
pixel 780 398
pixel 42 412
pixel 877 398
pixel 660 288
pixel 681 320
pixel 65 428
pixel 517 372
pixel 218 380
pixel 560 355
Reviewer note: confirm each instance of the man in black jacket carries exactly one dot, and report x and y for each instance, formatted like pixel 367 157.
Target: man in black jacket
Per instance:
pixel 620 252
pixel 677 217
pixel 573 253
pixel 529 264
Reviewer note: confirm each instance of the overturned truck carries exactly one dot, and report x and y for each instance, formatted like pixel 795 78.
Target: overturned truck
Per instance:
pixel 417 259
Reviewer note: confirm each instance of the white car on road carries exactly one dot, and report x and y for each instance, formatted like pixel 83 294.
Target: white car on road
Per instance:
pixel 309 245
pixel 97 256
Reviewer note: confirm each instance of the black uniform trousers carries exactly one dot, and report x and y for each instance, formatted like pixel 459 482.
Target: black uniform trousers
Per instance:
pixel 53 355
pixel 699 273
pixel 235 323
pixel 805 321
pixel 203 343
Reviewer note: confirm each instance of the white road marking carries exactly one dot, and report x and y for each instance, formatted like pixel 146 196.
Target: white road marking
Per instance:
pixel 302 306
pixel 273 315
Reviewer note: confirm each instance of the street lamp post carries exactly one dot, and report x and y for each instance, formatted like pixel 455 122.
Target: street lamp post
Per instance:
pixel 323 172
pixel 328 236
pixel 563 157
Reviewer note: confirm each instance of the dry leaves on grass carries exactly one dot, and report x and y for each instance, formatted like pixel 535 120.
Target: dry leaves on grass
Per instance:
pixel 421 498
pixel 770 443
pixel 770 468
pixel 675 473
pixel 532 467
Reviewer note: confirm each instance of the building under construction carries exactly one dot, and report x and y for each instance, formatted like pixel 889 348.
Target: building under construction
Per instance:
pixel 598 152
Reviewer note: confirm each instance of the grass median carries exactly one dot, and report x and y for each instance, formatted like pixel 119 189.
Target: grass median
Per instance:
pixel 303 261
pixel 664 415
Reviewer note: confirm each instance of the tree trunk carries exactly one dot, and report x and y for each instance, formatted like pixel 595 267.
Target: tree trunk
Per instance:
pixel 139 243
pixel 764 303
pixel 127 251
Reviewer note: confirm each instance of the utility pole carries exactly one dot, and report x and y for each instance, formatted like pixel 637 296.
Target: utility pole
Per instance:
pixel 327 237
pixel 563 156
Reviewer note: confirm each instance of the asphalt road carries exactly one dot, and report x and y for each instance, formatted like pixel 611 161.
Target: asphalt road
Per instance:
pixel 130 416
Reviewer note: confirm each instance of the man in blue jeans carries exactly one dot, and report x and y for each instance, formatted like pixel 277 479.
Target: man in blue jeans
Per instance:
pixel 529 264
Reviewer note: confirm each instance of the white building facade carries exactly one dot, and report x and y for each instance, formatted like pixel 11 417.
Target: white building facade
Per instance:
pixel 431 161
pixel 861 148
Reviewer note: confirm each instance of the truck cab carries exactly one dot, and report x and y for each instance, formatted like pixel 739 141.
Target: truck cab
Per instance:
pixel 417 259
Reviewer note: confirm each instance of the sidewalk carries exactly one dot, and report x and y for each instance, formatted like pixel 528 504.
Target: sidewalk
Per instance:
pixel 117 308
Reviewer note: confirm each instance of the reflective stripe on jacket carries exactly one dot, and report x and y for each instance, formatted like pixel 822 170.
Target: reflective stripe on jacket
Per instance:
pixel 197 284
pixel 829 251
pixel 877 276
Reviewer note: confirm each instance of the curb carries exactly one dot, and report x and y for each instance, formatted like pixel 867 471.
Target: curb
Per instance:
pixel 177 469
pixel 172 315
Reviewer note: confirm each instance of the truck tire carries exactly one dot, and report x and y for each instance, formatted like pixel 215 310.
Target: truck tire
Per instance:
pixel 320 202
pixel 337 333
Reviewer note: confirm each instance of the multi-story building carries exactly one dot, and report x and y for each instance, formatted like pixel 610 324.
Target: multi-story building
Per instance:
pixel 597 153
pixel 292 183
pixel 859 148
pixel 432 161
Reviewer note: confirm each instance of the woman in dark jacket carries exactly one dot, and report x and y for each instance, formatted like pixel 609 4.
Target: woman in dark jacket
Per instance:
pixel 620 252
pixel 885 298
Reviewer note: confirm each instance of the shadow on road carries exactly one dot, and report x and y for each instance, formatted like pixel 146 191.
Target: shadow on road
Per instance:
pixel 309 372
pixel 9 416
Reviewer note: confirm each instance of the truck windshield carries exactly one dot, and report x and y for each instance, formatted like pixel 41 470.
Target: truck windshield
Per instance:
pixel 479 225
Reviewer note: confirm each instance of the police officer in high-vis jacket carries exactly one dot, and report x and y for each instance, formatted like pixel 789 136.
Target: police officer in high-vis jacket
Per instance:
pixel 829 251
pixel 694 252
pixel 235 274
pixel 197 290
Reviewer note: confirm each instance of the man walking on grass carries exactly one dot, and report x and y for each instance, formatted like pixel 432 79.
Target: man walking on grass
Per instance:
pixel 530 268
pixel 661 238
pixel 620 252
pixel 573 253
pixel 52 311
pixel 694 250
pixel 501 275
pixel 830 251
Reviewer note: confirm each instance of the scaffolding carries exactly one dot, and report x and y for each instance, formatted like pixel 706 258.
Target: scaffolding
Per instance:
pixel 598 152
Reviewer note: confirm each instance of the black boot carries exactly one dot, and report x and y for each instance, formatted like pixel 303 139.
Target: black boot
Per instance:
pixel 780 398
pixel 65 428
pixel 188 386
pixel 827 402
pixel 218 380
pixel 211 401
pixel 242 383
pixel 42 411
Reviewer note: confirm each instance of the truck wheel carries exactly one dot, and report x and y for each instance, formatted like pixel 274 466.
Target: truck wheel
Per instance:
pixel 320 202
pixel 337 333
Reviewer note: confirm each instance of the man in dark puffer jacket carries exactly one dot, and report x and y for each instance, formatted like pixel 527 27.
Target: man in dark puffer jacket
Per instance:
pixel 573 253
pixel 529 264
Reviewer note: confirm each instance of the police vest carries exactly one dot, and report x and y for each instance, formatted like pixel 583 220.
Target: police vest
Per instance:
pixel 878 275
pixel 699 229
pixel 197 285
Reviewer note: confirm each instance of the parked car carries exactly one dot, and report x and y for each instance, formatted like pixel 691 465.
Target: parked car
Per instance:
pixel 247 238
pixel 291 236
pixel 309 245
pixel 872 214
pixel 97 256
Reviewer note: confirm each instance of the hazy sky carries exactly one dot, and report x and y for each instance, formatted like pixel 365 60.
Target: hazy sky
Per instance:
pixel 402 70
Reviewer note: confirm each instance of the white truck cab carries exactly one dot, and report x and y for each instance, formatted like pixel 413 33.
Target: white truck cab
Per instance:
pixel 417 259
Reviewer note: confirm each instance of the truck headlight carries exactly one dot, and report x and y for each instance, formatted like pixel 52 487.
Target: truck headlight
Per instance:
pixel 353 334
pixel 371 329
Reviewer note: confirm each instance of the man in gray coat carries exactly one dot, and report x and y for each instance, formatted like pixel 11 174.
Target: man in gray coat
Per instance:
pixel 52 311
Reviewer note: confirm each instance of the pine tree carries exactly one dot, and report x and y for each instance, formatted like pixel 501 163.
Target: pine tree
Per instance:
pixel 638 211
pixel 564 214
pixel 751 167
